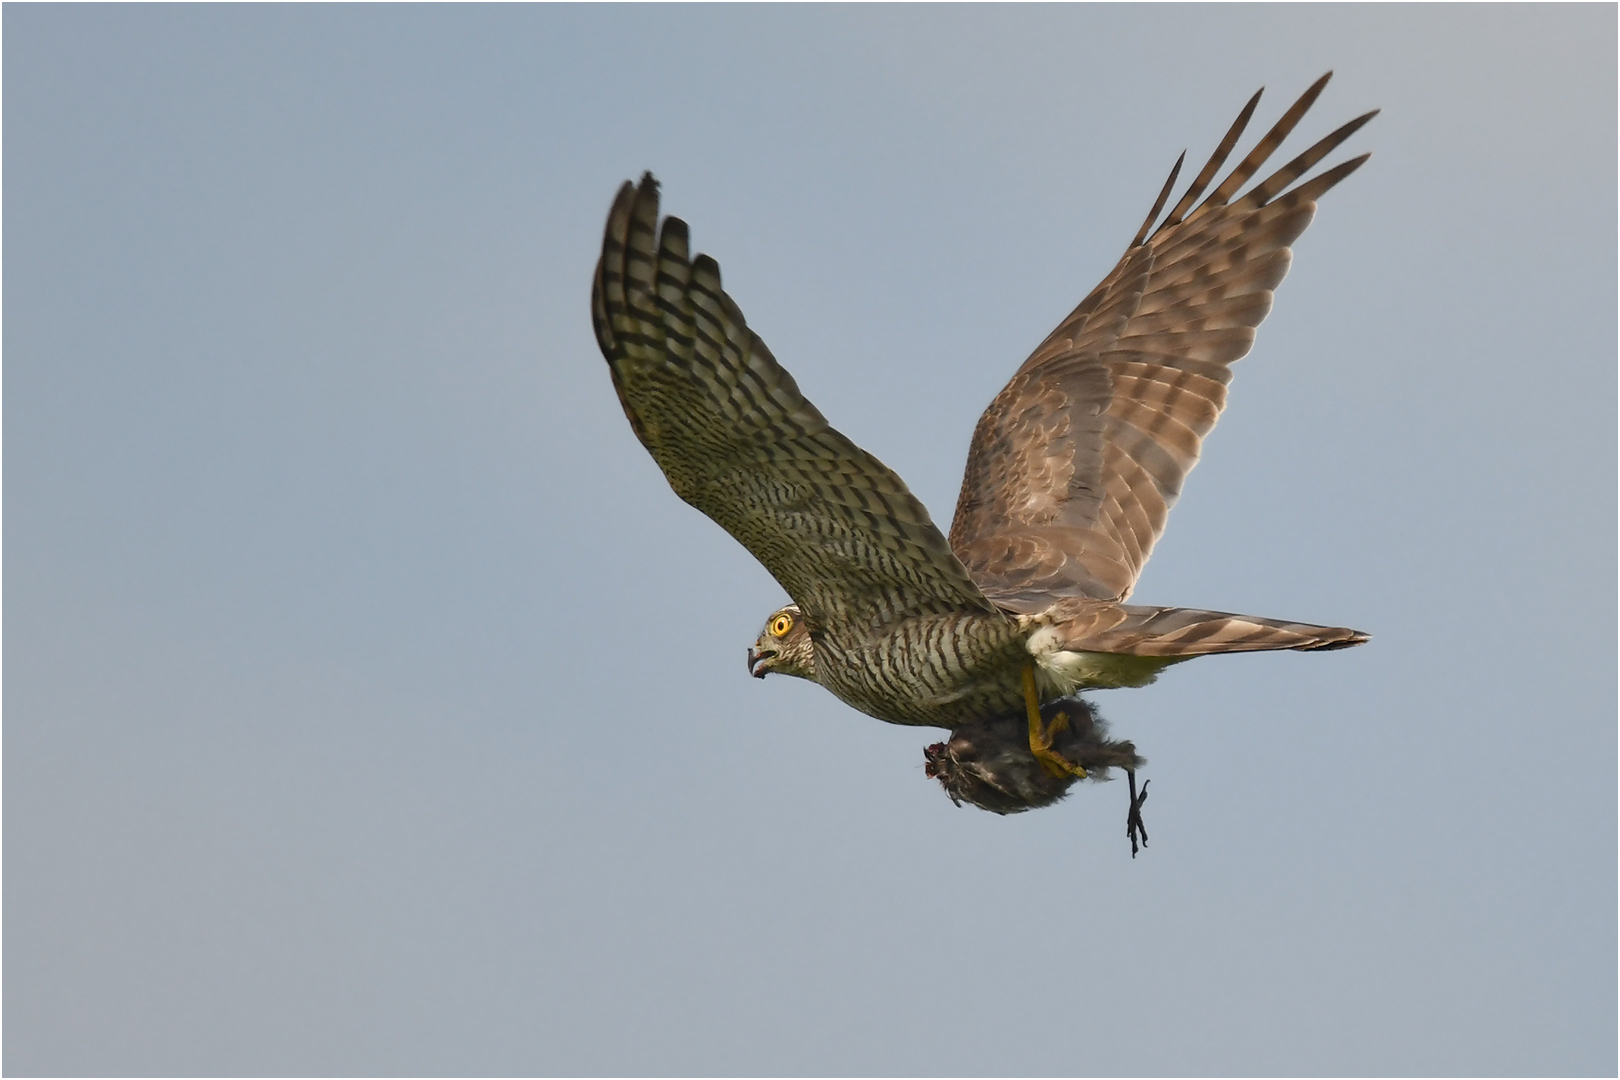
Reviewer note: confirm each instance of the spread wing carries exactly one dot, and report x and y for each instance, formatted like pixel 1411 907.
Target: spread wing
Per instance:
pixel 1076 463
pixel 737 440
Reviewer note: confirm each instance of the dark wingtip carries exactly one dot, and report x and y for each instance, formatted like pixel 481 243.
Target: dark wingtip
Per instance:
pixel 1356 638
pixel 1216 160
pixel 1158 204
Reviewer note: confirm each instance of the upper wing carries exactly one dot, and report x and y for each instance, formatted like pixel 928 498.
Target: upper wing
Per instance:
pixel 1076 463
pixel 737 440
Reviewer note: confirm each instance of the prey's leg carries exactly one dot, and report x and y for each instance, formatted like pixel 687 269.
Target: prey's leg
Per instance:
pixel 1133 820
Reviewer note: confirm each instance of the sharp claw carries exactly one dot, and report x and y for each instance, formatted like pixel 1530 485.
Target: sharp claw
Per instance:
pixel 1040 735
pixel 1040 744
pixel 1052 769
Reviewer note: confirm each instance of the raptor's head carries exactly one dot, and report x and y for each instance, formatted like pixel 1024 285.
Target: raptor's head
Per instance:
pixel 784 647
pixel 988 762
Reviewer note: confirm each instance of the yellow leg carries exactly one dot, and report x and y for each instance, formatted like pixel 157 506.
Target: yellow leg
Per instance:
pixel 1040 735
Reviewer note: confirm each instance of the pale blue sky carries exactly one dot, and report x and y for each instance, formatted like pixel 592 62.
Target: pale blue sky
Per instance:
pixel 374 706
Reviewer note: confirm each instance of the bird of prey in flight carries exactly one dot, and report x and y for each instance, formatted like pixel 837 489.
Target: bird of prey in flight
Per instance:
pixel 992 630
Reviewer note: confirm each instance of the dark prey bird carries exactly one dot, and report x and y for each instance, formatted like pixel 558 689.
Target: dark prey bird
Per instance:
pixel 1070 474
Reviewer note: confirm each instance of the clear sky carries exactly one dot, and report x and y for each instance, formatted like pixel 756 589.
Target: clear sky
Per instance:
pixel 374 706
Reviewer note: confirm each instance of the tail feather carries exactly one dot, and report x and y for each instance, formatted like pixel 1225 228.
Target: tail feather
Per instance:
pixel 1169 631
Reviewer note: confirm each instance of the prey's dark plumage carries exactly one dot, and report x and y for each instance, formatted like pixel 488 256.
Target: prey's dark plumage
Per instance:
pixel 988 763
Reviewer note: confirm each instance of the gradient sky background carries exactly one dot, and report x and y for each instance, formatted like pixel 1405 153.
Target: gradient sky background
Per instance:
pixel 374 706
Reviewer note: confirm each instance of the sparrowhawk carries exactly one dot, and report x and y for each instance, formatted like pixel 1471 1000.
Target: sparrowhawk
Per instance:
pixel 1070 474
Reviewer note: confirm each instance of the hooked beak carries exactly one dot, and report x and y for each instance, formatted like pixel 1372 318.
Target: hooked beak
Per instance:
pixel 757 663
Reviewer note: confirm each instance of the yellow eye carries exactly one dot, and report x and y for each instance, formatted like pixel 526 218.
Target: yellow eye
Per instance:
pixel 781 625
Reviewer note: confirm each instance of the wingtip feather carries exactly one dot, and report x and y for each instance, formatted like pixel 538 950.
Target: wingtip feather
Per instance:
pixel 1158 204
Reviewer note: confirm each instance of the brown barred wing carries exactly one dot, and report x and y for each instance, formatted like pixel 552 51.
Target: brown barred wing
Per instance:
pixel 737 440
pixel 1074 466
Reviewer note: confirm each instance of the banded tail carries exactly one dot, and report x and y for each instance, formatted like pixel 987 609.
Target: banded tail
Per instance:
pixel 1132 630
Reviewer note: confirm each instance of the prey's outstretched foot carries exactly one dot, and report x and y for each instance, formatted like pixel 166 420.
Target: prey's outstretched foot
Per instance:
pixel 1041 736
pixel 1133 820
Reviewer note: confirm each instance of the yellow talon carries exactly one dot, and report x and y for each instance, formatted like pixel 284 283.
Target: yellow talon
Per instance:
pixel 1041 735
